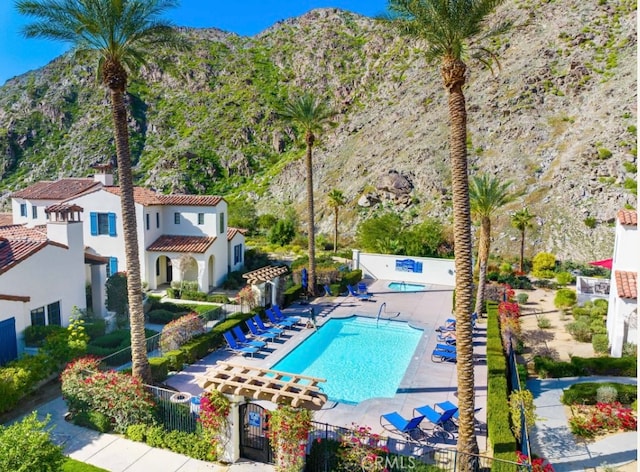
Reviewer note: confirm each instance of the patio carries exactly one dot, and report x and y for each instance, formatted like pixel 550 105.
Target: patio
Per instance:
pixel 424 382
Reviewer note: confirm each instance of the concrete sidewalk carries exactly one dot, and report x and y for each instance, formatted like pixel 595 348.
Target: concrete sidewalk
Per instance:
pixel 551 437
pixel 117 454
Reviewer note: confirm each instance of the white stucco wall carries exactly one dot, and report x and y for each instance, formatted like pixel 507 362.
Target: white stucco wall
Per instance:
pixel 383 266
pixel 29 220
pixel 237 239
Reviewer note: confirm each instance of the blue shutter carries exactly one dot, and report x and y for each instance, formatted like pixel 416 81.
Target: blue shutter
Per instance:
pixel 112 224
pixel 113 266
pixel 94 223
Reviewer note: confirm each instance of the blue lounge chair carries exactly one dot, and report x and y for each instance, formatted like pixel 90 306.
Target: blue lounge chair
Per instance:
pixel 236 348
pixel 450 324
pixel 327 291
pixel 353 293
pixel 447 405
pixel 284 324
pixel 281 316
pixel 260 334
pixel 443 356
pixel 263 327
pixel 447 339
pixel 362 289
pixel 409 429
pixel 244 341
pixel 445 347
pixel 438 420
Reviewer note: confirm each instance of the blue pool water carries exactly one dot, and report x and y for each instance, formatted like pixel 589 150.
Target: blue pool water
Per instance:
pixel 405 287
pixel 359 359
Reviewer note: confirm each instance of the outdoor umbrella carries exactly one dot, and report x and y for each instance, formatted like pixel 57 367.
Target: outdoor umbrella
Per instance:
pixel 305 279
pixel 606 263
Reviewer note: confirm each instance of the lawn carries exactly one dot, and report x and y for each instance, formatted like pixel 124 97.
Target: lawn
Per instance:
pixel 72 465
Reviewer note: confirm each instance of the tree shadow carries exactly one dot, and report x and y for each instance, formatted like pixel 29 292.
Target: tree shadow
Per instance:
pixel 538 336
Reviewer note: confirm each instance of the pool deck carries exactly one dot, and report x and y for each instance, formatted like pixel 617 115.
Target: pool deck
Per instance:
pixel 425 382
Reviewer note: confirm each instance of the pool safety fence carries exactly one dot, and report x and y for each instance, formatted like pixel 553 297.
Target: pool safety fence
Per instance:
pixel 324 445
pixel 175 410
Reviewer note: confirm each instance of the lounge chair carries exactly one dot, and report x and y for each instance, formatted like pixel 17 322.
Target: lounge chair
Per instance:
pixel 260 334
pixel 236 348
pixel 443 356
pixel 244 341
pixel 284 324
pixel 447 405
pixel 446 339
pixel 445 347
pixel 353 293
pixel 263 327
pixel 362 289
pixel 281 316
pixel 450 324
pixel 437 419
pixel 409 429
pixel 327 291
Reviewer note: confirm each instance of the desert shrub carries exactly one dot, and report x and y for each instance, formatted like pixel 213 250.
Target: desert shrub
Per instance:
pixel 580 330
pixel 544 322
pixel 565 298
pixel 522 298
pixel 600 343
pixel 606 394
pixel 544 283
pixel 544 264
pixel 597 326
pixel 629 349
pixel 26 446
pixel 564 278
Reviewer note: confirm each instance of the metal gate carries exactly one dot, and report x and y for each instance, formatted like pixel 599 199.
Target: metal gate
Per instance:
pixel 8 344
pixel 254 443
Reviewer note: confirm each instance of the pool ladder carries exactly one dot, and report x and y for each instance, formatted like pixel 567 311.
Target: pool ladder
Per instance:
pixel 384 305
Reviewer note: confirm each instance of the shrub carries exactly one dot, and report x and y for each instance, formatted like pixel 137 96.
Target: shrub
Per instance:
pixel 159 368
pixel 180 331
pixel 544 263
pixel 606 394
pixel 116 288
pixel 137 432
pixel 590 222
pixel 27 446
pixel 565 298
pixel 93 420
pixel 176 359
pixel 600 343
pixel 14 382
pixel 162 316
pixel 564 278
pixel 587 393
pixel 35 335
pixel 292 294
pixel 543 283
pixel 522 298
pixel 580 331
pixel 193 295
pixel 579 367
pixel 544 322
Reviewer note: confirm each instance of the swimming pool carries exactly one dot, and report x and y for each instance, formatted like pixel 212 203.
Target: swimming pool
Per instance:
pixel 360 358
pixel 406 287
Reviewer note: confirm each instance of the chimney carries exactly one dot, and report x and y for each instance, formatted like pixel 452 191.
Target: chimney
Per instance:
pixel 104 174
pixel 65 226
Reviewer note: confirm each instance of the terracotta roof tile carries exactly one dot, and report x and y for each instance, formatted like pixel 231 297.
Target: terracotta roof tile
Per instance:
pixel 265 273
pixel 6 219
pixel 627 284
pixel 63 208
pixel 628 217
pixel 22 233
pixel 141 195
pixel 231 232
pixel 59 190
pixel 15 251
pixel 166 243
pixel 190 200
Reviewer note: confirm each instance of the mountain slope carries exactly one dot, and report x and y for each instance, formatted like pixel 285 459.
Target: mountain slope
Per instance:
pixel 557 119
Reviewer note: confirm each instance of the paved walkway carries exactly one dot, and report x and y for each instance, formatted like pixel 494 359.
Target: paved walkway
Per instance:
pixel 551 437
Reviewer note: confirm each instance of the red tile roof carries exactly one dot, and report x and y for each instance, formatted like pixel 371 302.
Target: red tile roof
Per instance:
pixel 627 284
pixel 59 190
pixel 190 200
pixel 15 251
pixel 141 195
pixel 197 244
pixel 20 232
pixel 6 219
pixel 63 208
pixel 628 217
pixel 231 232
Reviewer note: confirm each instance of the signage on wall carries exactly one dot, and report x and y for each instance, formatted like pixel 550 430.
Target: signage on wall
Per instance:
pixel 408 265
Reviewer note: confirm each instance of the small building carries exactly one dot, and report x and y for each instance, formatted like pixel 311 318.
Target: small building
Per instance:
pixel 622 315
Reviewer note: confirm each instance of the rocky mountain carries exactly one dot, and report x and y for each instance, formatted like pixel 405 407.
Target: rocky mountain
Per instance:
pixel 556 117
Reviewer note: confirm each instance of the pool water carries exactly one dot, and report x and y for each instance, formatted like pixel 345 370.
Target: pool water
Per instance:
pixel 359 359
pixel 405 287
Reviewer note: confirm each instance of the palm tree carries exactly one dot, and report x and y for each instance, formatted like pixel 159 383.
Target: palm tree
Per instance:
pixel 487 194
pixel 336 200
pixel 521 220
pixel 447 28
pixel 310 114
pixel 119 33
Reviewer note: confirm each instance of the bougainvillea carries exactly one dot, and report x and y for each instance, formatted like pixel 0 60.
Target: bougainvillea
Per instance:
pixel 214 410
pixel 288 433
pixel 180 331
pixel 361 450
pixel 538 464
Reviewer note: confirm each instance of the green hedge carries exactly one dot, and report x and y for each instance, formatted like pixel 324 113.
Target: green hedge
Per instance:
pixel 162 316
pixel 292 294
pixel 350 278
pixel 189 444
pixel 498 422
pixel 586 393
pixel 581 367
pixel 159 368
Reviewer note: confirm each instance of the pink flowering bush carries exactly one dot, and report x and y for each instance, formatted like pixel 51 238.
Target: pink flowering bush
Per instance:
pixel 288 433
pixel 214 409
pixel 361 450
pixel 180 331
pixel 589 421
pixel 117 396
pixel 538 464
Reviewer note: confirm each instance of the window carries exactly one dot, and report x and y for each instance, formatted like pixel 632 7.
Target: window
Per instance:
pixel 222 228
pixel 147 220
pixel 37 317
pixel 103 223
pixel 23 209
pixel 176 218
pixel 34 212
pixel 157 219
pixel 237 254
pixel 200 218
pixel 53 314
pixel 112 266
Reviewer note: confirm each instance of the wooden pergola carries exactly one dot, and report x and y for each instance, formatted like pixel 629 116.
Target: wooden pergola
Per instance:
pixel 299 391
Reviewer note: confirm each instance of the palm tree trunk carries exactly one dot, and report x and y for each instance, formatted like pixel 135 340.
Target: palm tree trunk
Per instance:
pixel 483 258
pixel 141 368
pixel 453 74
pixel 335 231
pixel 521 250
pixel 311 237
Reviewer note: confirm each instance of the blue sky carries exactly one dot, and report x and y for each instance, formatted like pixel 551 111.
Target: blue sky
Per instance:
pixel 246 17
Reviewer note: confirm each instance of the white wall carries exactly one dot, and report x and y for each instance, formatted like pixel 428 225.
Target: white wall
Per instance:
pixel 383 266
pixel 237 239
pixel 28 220
pixel 626 252
pixel 189 220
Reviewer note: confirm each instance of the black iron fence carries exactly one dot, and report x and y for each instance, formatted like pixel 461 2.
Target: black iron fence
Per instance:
pixel 514 377
pixel 176 410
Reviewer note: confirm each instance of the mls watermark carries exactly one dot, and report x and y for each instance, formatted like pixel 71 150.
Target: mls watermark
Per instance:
pixel 381 463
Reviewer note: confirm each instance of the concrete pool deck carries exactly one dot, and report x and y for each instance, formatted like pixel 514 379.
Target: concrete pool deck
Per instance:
pixel 425 382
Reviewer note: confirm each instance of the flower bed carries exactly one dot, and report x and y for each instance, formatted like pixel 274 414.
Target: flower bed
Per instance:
pixel 590 421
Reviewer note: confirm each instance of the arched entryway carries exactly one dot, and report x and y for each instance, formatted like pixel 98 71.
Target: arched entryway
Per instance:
pixel 164 270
